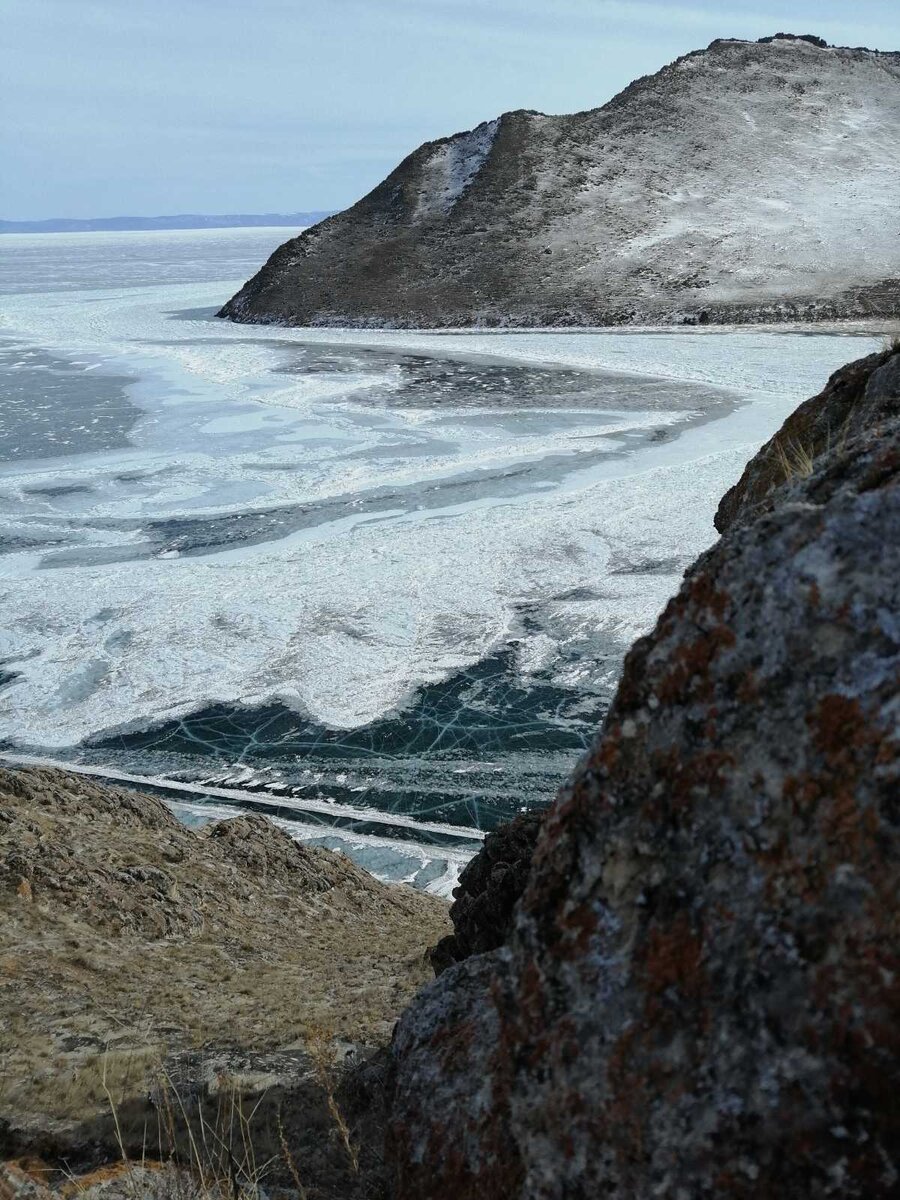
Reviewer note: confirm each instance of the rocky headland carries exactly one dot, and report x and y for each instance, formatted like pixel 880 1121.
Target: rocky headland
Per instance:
pixel 747 182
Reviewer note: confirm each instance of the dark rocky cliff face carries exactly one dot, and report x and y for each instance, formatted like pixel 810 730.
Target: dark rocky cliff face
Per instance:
pixel 714 190
pixel 699 995
pixel 488 890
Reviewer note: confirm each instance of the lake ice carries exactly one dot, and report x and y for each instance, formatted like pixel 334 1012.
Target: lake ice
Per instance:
pixel 378 585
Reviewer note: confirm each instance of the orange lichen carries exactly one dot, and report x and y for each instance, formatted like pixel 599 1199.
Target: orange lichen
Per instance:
pixel 849 826
pixel 689 776
pixel 577 927
pixel 838 725
pixel 689 677
pixel 107 1174
pixel 802 790
pixel 671 957
pixel 748 690
pixel 704 594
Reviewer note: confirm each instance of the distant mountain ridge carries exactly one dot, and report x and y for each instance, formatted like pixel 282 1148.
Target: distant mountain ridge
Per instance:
pixel 182 221
pixel 750 181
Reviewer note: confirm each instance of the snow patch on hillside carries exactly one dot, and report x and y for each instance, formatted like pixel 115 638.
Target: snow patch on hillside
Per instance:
pixel 453 166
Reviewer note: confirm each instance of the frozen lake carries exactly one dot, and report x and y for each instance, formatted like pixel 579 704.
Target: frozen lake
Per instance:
pixel 378 585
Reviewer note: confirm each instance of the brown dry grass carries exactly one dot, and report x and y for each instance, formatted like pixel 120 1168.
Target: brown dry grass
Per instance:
pixel 191 1153
pixel 796 461
pixel 223 1160
pixel 136 932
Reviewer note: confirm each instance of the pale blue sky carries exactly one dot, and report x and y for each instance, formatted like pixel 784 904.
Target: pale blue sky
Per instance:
pixel 166 106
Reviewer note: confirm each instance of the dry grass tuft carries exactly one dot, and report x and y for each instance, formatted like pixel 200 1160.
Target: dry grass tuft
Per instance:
pixel 222 1158
pixel 290 1162
pixel 320 1042
pixel 208 1155
pixel 796 460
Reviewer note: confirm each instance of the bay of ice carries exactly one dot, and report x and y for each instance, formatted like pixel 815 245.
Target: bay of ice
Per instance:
pixel 376 584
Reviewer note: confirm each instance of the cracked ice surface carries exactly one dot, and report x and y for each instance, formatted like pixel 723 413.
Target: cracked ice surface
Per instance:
pixel 391 574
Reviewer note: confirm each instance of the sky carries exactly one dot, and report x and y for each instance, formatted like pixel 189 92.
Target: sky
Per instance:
pixel 149 107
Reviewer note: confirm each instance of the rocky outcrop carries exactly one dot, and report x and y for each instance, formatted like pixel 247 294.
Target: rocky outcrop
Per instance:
pixel 148 970
pixel 487 892
pixel 699 996
pixel 858 399
pixel 715 190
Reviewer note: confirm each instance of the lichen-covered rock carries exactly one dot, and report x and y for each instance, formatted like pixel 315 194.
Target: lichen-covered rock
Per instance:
pixel 488 889
pixel 701 993
pixel 28 1179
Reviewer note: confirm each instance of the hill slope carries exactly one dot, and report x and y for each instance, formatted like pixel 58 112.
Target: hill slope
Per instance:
pixel 747 181
pixel 131 945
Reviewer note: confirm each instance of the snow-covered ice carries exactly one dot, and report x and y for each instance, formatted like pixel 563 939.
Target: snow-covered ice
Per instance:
pixel 355 528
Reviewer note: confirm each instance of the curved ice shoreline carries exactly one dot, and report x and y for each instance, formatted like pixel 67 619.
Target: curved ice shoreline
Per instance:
pixel 372 666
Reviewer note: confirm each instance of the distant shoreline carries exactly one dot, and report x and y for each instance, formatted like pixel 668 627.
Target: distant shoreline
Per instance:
pixel 149 224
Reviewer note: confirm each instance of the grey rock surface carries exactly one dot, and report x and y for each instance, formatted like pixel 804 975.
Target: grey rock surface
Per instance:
pixel 715 190
pixel 699 996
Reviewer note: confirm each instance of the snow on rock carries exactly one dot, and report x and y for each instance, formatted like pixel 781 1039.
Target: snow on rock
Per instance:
pixel 453 166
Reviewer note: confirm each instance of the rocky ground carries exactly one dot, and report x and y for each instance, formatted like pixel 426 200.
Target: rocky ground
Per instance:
pixel 140 959
pixel 488 891
pixel 716 190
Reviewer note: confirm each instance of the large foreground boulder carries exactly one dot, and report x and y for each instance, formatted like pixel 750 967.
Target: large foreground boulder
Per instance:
pixel 701 993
